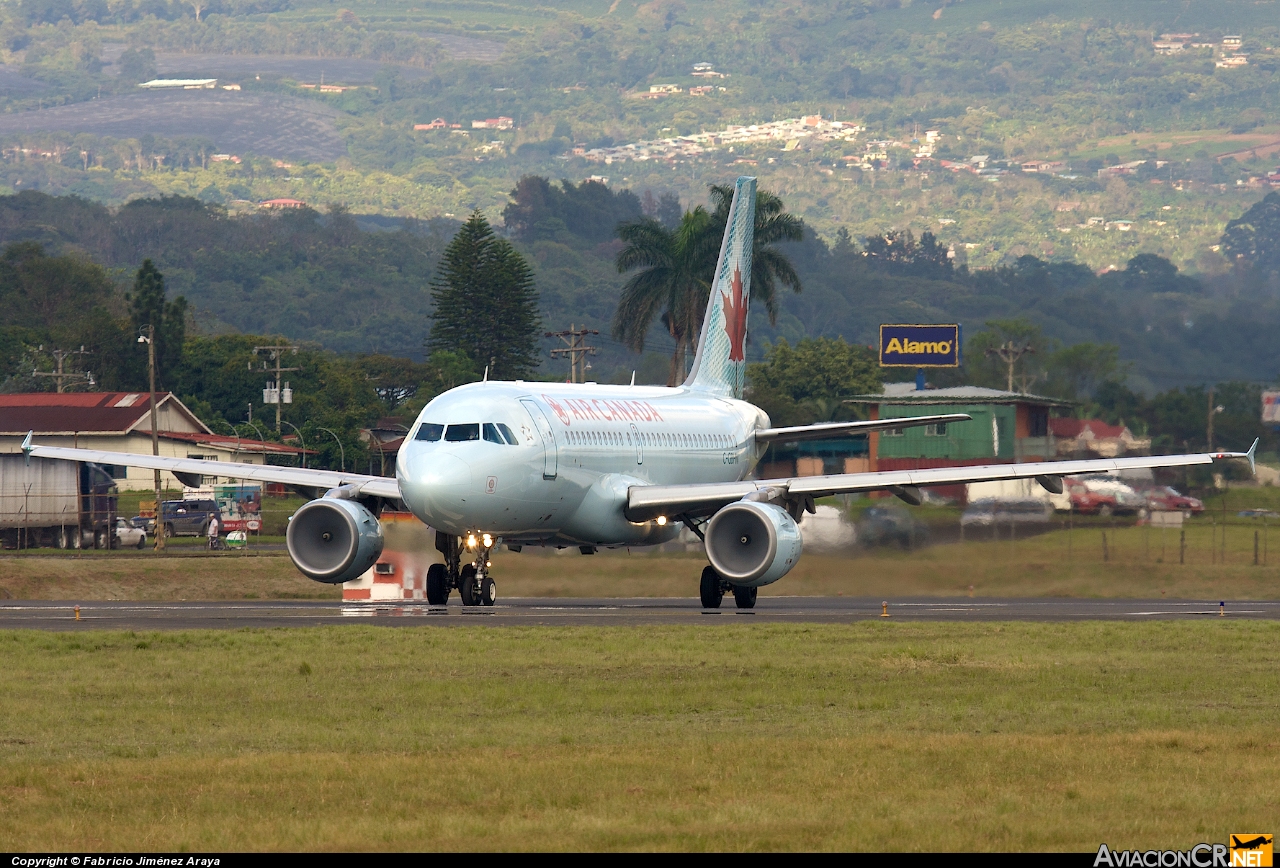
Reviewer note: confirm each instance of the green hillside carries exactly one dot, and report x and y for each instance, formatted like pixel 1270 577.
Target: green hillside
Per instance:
pixel 1078 85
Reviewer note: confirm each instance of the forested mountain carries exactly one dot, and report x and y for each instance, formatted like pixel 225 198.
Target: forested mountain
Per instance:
pixel 295 272
pixel 1080 84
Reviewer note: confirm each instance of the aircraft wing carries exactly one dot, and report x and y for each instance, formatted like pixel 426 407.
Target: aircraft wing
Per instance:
pixel 645 502
pixel 831 430
pixel 318 481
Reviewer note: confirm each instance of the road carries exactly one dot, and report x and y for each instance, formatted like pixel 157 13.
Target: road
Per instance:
pixel 218 615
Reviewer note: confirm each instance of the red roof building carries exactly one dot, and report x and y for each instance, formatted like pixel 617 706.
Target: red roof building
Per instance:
pixel 121 422
pixel 1087 438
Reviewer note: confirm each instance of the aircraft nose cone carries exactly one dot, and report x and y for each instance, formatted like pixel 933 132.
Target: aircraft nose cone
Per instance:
pixel 442 471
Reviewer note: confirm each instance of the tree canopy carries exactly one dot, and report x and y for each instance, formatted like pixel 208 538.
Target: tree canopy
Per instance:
pixel 1253 238
pixel 486 305
pixel 808 382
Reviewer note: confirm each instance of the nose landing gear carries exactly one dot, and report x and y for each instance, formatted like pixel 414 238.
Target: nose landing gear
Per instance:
pixel 475 586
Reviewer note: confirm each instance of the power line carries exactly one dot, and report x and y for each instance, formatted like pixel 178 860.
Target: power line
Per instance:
pixel 59 375
pixel 273 394
pixel 575 349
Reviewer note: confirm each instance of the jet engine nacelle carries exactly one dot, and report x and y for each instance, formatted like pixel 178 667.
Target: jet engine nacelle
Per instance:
pixel 752 543
pixel 334 540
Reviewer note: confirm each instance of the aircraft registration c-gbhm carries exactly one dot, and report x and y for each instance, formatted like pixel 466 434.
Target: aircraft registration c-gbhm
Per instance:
pixel 542 464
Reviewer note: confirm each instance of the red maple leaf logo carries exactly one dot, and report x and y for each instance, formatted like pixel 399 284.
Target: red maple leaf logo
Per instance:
pixel 735 317
pixel 555 405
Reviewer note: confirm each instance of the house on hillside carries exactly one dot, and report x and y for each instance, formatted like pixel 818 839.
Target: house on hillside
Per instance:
pixel 282 204
pixel 180 84
pixel 1093 438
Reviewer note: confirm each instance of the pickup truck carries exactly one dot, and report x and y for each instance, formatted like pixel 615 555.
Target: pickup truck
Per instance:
pixel 186 517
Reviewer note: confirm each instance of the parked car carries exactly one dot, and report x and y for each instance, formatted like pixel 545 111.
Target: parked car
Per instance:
pixel 887 525
pixel 1258 513
pixel 128 535
pixel 989 511
pixel 1166 499
pixel 827 530
pixel 1101 495
pixel 186 517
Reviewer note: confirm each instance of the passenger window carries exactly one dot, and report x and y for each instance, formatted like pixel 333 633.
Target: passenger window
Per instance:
pixel 462 433
pixel 429 431
pixel 491 434
pixel 509 434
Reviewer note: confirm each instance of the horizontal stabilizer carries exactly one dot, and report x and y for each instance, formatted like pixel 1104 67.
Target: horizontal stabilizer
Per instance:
pixel 834 430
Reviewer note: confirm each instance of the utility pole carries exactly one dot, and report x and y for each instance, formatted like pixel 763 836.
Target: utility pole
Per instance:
pixel 59 375
pixel 150 341
pixel 1009 352
pixel 575 347
pixel 1214 410
pixel 273 394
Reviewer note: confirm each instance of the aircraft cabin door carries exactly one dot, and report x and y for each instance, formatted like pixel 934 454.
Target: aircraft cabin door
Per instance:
pixel 635 435
pixel 551 456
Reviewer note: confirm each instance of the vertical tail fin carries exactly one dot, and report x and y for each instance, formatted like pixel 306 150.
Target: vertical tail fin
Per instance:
pixel 720 365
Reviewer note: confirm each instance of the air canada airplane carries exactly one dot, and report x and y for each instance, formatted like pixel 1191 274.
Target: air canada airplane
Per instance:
pixel 586 465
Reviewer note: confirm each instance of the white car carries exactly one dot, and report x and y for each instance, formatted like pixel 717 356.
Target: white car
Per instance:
pixel 128 535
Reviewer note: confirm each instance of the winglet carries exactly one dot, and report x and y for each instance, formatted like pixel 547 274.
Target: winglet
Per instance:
pixel 1248 456
pixel 27 447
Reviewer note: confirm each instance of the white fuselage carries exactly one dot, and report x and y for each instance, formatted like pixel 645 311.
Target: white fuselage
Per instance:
pixel 578 449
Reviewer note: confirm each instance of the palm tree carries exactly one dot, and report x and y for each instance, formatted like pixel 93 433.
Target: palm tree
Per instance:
pixel 673 282
pixel 769 266
pixel 679 264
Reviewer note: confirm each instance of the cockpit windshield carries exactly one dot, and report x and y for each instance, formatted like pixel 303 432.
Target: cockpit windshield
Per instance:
pixel 493 432
pixel 462 433
pixel 429 431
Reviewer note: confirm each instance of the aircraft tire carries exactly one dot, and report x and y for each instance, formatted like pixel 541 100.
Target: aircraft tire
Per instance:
pixel 488 591
pixel 710 589
pixel 467 586
pixel 745 598
pixel 437 587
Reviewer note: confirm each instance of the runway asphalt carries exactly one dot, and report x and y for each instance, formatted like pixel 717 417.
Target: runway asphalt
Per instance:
pixel 216 615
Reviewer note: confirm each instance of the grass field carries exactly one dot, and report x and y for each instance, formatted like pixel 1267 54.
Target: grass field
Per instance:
pixel 945 737
pixel 1141 562
pixel 237 122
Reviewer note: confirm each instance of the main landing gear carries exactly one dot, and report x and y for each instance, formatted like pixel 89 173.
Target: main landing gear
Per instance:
pixel 475 586
pixel 712 590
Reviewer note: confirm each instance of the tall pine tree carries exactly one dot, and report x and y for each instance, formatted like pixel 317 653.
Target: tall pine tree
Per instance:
pixel 486 305
pixel 147 306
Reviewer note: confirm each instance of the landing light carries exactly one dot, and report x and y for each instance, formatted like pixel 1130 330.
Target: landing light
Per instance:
pixel 662 520
pixel 488 541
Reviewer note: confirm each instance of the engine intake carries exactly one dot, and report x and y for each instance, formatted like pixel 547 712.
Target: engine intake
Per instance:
pixel 752 544
pixel 334 540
